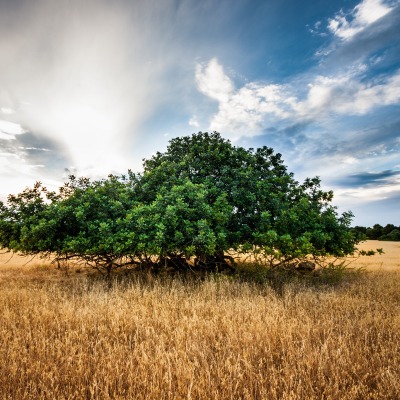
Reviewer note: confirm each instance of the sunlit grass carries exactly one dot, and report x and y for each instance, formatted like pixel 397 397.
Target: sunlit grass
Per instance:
pixel 71 337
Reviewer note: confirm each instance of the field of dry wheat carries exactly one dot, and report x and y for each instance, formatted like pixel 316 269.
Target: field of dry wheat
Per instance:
pixel 388 261
pixel 70 336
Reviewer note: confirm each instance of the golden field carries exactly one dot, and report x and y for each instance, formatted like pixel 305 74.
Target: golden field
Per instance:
pixel 388 261
pixel 69 336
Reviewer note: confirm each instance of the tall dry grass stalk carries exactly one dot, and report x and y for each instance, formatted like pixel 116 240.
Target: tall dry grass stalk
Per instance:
pixel 70 337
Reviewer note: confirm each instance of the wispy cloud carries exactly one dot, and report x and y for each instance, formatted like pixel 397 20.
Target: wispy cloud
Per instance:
pixel 7 110
pixel 240 111
pixel 9 130
pixel 347 94
pixel 346 25
pixel 34 148
pixel 213 82
pixel 362 179
pixel 194 122
pixel 248 110
pixel 361 39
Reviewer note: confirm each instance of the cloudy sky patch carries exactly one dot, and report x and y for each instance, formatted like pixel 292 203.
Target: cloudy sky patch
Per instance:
pixel 382 178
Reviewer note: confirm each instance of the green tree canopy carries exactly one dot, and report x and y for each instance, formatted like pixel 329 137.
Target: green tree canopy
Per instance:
pixel 271 211
pixel 200 199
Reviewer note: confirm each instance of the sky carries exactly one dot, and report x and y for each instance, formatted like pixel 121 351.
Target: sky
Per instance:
pixel 91 87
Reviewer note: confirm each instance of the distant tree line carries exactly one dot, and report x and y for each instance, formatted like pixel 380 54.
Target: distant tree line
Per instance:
pixel 389 232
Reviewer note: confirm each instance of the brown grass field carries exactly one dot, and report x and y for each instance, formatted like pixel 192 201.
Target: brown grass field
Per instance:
pixel 68 336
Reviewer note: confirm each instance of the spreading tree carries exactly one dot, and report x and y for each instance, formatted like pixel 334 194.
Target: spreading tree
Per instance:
pixel 193 206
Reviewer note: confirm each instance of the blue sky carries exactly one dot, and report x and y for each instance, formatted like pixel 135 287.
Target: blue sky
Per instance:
pixel 93 87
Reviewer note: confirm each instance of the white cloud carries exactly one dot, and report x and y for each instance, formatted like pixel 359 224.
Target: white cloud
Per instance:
pixel 8 130
pixel 6 136
pixel 365 13
pixel 241 111
pixel 34 148
pixel 247 111
pixel 193 122
pixel 349 160
pixel 212 81
pixel 246 108
pixel 7 110
pixel 346 95
pixel 367 194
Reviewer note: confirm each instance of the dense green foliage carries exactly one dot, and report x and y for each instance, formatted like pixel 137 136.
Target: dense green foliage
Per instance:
pixel 191 206
pixel 389 232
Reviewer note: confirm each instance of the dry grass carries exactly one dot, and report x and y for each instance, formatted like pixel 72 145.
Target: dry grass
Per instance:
pixel 388 261
pixel 69 337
